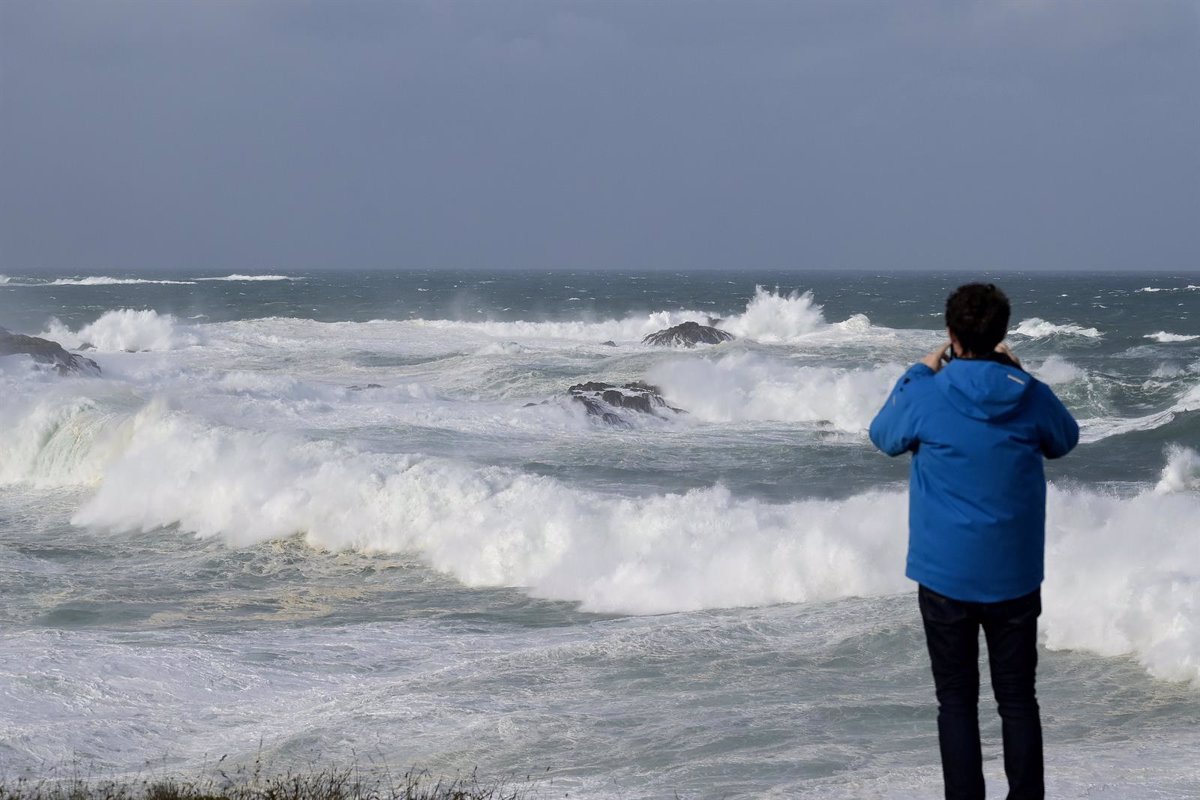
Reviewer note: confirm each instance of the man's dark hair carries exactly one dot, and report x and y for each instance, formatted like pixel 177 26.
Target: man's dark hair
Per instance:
pixel 977 314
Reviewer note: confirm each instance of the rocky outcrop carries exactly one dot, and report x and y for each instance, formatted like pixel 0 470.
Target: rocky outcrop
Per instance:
pixel 604 400
pixel 45 351
pixel 688 334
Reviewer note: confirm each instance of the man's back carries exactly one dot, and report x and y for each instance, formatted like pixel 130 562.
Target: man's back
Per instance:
pixel 978 430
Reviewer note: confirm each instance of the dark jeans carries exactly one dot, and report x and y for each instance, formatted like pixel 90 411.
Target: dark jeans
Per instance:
pixel 952 633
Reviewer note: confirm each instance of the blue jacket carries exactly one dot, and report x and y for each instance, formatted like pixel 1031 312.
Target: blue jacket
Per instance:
pixel 978 430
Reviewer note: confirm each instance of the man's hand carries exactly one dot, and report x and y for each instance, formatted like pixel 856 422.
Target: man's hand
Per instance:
pixel 1004 349
pixel 934 359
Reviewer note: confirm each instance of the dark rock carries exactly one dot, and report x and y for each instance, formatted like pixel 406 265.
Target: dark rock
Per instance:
pixel 603 400
pixel 45 351
pixel 359 387
pixel 609 343
pixel 689 334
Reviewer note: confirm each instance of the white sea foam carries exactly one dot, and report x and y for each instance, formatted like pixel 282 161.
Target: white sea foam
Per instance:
pixel 1124 571
pixel 1056 370
pixel 1036 328
pixel 1165 338
pixel 487 526
pixel 745 386
pixel 629 330
pixel 126 329
pixel 1093 430
pixel 104 280
pixel 56 440
pixel 1155 289
pixel 1123 574
pixel 500 349
pixel 1168 371
pixel 1182 473
pixel 4 279
pixel 237 277
pixel 770 317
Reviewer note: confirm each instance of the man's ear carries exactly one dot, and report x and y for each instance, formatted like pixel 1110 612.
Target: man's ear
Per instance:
pixel 958 351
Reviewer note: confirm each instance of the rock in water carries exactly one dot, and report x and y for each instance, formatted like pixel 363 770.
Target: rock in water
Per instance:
pixel 45 351
pixel 603 400
pixel 689 334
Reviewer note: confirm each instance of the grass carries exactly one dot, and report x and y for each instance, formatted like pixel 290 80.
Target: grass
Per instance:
pixel 244 784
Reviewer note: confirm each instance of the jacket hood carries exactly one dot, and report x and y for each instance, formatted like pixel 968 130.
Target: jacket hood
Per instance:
pixel 984 389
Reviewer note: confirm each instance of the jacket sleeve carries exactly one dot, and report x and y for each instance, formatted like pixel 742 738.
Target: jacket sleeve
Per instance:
pixel 894 428
pixel 1058 430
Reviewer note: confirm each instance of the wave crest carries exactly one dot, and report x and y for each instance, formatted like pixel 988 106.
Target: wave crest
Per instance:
pixel 104 280
pixel 239 277
pixel 1056 370
pixel 1124 575
pixel 125 330
pixel 771 317
pixel 1182 472
pixel 1093 430
pixel 745 386
pixel 1037 328
pixel 1166 338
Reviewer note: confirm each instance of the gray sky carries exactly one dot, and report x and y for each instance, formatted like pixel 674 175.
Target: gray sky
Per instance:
pixel 652 134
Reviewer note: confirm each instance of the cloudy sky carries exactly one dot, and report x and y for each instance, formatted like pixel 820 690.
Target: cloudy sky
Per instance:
pixel 236 134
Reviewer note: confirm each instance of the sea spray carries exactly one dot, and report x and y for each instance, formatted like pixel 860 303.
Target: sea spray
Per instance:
pixel 772 317
pixel 239 278
pixel 1035 328
pixel 746 386
pixel 769 317
pixel 1123 571
pixel 1163 337
pixel 105 280
pixel 126 330
pixel 1123 574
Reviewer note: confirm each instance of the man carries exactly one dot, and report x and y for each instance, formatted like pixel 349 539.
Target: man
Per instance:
pixel 978 427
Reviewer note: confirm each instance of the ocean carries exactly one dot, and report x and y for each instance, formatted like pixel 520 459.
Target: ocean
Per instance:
pixel 358 518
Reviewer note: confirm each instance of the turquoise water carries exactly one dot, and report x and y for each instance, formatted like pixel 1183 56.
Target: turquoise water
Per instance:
pixel 220 545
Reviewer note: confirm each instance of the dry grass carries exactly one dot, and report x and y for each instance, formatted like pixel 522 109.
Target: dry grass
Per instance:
pixel 252 784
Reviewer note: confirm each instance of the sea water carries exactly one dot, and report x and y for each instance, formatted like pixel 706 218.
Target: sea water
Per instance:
pixel 355 518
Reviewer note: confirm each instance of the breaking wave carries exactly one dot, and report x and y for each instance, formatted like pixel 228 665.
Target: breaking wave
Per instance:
pixel 1166 338
pixel 237 277
pixel 1092 430
pixel 104 280
pixel 743 386
pixel 1182 472
pixel 746 386
pixel 125 330
pixel 1124 572
pixel 769 317
pixel 1056 371
pixel 1154 289
pixel 1035 328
